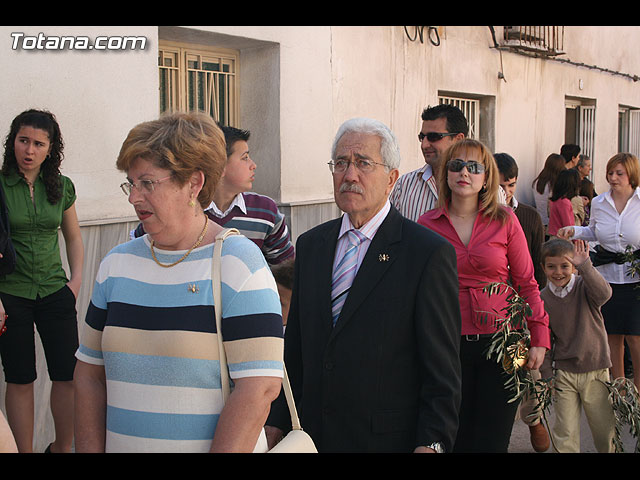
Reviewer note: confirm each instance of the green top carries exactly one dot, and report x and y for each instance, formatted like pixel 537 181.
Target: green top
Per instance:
pixel 34 233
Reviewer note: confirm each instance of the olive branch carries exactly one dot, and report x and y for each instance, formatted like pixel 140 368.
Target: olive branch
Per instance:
pixel 510 344
pixel 623 396
pixel 629 256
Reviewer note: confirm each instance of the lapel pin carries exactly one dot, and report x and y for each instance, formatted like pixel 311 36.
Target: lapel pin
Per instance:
pixel 383 257
pixel 193 288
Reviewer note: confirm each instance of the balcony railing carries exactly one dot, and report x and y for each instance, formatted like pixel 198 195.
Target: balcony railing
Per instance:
pixel 543 40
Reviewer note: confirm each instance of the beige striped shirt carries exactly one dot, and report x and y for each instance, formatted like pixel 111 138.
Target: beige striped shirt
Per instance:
pixel 415 193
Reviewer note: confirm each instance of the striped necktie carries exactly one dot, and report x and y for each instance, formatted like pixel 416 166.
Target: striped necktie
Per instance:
pixel 344 273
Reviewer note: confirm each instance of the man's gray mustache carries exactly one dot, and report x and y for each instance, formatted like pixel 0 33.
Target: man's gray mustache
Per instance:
pixel 351 187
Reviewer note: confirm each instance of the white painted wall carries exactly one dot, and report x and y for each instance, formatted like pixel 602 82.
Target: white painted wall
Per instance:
pixel 298 83
pixel 97 96
pixel 376 71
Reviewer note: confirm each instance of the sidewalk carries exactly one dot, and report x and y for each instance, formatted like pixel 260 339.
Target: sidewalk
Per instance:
pixel 520 442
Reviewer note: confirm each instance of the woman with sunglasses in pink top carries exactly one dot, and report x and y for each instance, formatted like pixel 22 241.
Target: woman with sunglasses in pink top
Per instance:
pixel 491 247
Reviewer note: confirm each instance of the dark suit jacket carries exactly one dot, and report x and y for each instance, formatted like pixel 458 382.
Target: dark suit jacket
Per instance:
pixel 533 229
pixel 386 378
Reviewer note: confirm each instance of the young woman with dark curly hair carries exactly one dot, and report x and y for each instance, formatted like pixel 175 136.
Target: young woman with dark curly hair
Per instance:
pixel 40 201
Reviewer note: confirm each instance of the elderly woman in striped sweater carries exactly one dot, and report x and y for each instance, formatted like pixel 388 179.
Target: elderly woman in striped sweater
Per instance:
pixel 148 376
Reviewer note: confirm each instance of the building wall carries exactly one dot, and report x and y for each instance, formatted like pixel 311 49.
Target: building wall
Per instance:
pixel 299 83
pixel 97 96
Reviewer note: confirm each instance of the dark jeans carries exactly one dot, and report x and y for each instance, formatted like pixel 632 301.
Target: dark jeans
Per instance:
pixel 486 417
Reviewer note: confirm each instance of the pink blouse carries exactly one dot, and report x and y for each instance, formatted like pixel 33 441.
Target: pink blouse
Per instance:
pixel 497 252
pixel 560 215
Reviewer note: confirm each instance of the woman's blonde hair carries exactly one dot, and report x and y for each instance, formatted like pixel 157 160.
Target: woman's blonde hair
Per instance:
pixel 488 202
pixel 630 163
pixel 183 143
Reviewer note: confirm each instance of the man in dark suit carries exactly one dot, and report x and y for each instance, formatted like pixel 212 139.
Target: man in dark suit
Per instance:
pixel 383 373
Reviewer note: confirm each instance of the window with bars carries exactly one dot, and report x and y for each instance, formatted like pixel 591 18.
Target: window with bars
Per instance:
pixel 198 79
pixel 471 110
pixel 629 130
pixel 580 125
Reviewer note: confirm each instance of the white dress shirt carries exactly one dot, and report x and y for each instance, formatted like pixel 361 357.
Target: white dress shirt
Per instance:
pixel 562 291
pixel 614 231
pixel 369 230
pixel 237 201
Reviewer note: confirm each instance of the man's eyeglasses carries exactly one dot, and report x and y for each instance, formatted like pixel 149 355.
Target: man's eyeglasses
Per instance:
pixel 434 136
pixel 143 186
pixel 472 166
pixel 362 164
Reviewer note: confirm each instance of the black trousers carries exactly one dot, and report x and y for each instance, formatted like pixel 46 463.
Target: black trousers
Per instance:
pixel 56 320
pixel 486 416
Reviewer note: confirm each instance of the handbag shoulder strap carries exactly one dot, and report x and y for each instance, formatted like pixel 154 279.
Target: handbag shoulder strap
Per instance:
pixel 217 306
pixel 286 386
pixel 217 302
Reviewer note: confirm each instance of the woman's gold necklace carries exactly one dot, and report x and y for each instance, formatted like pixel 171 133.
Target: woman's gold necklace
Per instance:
pixel 195 245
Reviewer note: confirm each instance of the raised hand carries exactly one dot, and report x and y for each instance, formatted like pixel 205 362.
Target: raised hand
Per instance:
pixel 580 253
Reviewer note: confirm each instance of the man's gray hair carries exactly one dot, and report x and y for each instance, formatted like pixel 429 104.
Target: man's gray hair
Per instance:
pixel 389 149
pixel 582 159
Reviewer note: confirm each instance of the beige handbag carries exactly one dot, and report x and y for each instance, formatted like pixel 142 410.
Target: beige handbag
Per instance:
pixel 296 441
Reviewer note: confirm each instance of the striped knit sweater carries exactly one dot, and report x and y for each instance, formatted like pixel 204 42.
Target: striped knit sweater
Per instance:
pixel 154 332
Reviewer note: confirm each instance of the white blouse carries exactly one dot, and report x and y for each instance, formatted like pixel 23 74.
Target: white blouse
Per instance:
pixel 614 231
pixel 542 203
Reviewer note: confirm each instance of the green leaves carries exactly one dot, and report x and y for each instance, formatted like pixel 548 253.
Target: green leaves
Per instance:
pixel 630 257
pixel 510 344
pixel 623 397
pixel 511 340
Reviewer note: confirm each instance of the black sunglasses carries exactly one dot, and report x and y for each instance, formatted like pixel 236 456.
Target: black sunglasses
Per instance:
pixel 434 136
pixel 472 166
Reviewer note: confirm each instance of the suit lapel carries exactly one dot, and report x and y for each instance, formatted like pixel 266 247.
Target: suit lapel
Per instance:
pixel 323 271
pixel 381 254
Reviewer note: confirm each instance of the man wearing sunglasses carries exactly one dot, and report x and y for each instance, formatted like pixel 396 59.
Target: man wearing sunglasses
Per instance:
pixel 416 192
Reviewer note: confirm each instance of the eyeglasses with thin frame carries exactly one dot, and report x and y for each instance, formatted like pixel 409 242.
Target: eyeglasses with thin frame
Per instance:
pixel 472 166
pixel 434 136
pixel 362 164
pixel 143 186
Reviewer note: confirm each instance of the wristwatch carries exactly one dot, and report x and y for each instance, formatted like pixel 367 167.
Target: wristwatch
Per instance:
pixel 437 447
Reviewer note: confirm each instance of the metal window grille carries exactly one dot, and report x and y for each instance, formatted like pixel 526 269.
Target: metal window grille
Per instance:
pixel 199 80
pixel 548 40
pixel 581 126
pixel 629 131
pixel 587 129
pixel 471 110
pixel 168 71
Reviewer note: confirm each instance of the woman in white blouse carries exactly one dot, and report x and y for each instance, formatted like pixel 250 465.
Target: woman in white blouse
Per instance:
pixel 615 225
pixel 543 185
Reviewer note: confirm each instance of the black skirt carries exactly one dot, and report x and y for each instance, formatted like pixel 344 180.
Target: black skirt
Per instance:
pixel 622 312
